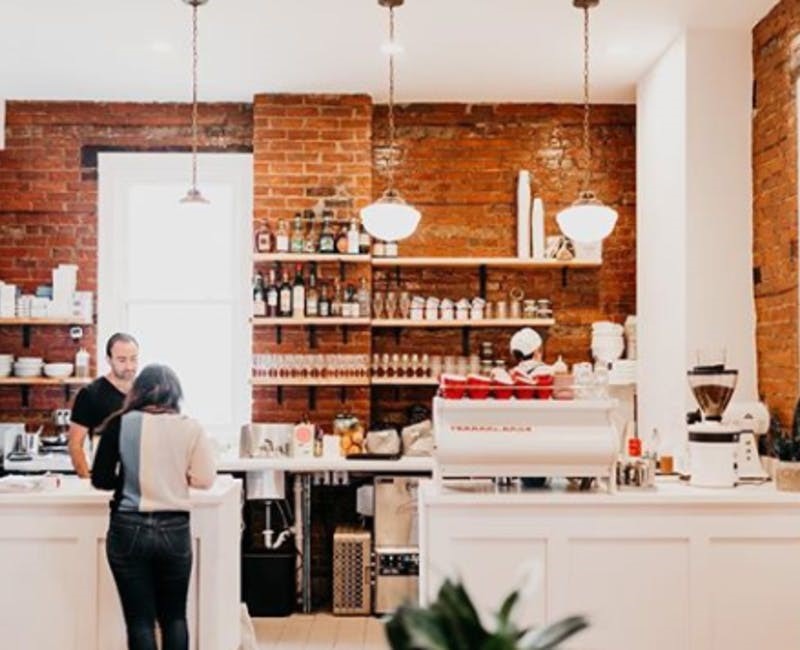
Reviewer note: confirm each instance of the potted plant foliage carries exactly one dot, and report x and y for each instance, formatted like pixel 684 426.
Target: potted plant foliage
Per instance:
pixel 451 622
pixel 787 451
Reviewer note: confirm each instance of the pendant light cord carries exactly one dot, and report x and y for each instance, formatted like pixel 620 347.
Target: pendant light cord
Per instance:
pixel 391 160
pixel 586 152
pixel 194 97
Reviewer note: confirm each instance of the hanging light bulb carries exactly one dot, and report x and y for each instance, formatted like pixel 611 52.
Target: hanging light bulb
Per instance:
pixel 390 218
pixel 193 194
pixel 587 220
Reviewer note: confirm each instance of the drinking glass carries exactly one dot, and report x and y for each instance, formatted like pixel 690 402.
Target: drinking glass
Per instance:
pixel 377 305
pixel 405 304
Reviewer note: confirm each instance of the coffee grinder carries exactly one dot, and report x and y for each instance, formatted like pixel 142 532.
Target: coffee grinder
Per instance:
pixel 712 444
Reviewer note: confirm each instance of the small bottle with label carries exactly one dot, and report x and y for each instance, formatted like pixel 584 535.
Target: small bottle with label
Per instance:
pixel 342 241
pixel 282 237
pixel 311 238
pixel 264 242
pixel 324 305
pixel 353 238
pixel 82 363
pixel 364 242
pixel 297 240
pixel 327 242
pixel 390 249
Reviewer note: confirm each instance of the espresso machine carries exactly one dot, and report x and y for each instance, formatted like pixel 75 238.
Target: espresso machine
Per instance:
pixel 713 445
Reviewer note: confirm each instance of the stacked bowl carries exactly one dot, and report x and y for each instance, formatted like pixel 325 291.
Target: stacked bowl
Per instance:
pixel 6 361
pixel 607 341
pixel 27 367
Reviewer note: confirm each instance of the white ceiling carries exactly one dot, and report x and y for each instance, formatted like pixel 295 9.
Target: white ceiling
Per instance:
pixel 459 50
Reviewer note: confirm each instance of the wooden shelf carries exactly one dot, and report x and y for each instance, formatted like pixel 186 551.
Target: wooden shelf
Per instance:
pixel 44 381
pixel 259 321
pixel 455 324
pixel 308 381
pixel 404 381
pixel 301 258
pixel 43 321
pixel 474 262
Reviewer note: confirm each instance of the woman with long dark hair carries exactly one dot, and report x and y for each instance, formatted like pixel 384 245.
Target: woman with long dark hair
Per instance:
pixel 150 455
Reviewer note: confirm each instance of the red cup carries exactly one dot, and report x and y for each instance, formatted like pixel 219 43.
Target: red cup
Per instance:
pixel 478 387
pixel 452 386
pixel 544 386
pixel 503 389
pixel 524 386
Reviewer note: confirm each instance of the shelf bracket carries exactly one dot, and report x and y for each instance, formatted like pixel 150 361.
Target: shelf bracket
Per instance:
pixel 26 396
pixel 342 274
pixel 342 394
pixel 312 336
pixel 280 394
pixel 26 336
pixel 465 341
pixel 397 275
pixel 345 334
pixel 564 277
pixel 397 332
pixel 482 281
pixel 67 393
pixel 278 334
pixel 312 398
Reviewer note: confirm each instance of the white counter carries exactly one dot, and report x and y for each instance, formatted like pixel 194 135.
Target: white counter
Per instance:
pixel 676 568
pixel 58 591
pixel 231 463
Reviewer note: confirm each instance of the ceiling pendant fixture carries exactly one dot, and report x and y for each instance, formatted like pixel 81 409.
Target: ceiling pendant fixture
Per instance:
pixel 194 195
pixel 390 218
pixel 587 220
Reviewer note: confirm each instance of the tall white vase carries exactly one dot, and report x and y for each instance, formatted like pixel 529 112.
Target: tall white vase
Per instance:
pixel 537 229
pixel 523 212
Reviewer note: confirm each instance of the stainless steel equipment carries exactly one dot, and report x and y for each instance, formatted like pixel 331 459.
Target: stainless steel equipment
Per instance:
pixel 396 579
pixel 352 594
pixel 260 440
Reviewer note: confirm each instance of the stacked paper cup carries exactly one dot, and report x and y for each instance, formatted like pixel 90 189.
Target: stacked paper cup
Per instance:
pixel 607 341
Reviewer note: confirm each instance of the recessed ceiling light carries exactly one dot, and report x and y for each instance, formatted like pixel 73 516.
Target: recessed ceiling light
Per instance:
pixel 161 47
pixel 392 47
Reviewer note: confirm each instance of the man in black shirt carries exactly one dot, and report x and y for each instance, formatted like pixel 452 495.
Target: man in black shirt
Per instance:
pixel 104 396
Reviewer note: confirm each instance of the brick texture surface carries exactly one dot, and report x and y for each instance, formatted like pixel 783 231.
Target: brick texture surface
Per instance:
pixel 775 53
pixel 48 201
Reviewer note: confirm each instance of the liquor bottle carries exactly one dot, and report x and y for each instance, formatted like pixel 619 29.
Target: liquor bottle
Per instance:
pixel 364 242
pixel 259 304
pixel 326 239
pixel 298 293
pixel 285 297
pixel 282 237
pixel 272 295
pixel 336 302
pixel 264 240
pixel 353 238
pixel 390 249
pixel 312 296
pixel 324 302
pixel 342 241
pixel 297 241
pixel 350 306
pixel 362 297
pixel 310 242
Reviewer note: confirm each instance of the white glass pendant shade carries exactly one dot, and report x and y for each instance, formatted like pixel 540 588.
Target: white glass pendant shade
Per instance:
pixel 587 220
pixel 390 218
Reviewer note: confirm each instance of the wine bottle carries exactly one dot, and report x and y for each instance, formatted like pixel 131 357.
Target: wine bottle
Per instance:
pixel 285 297
pixel 272 295
pixel 312 297
pixel 298 293
pixel 297 241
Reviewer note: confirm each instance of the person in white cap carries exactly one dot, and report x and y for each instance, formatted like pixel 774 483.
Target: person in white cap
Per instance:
pixel 526 347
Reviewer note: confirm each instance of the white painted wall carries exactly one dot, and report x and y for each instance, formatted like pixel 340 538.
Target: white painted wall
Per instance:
pixel 719 220
pixel 2 124
pixel 661 250
pixel 694 223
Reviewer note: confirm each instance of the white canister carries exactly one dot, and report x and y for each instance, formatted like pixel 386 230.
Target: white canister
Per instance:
pixel 417 312
pixel 476 312
pixel 81 363
pixel 432 312
pixel 523 215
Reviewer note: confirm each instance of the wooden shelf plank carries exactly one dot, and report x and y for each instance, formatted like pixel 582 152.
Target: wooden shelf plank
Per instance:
pixel 474 262
pixel 494 322
pixel 44 381
pixel 404 381
pixel 43 321
pixel 301 258
pixel 308 381
pixel 259 321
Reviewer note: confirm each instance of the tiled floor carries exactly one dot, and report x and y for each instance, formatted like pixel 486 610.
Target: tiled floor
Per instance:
pixel 320 632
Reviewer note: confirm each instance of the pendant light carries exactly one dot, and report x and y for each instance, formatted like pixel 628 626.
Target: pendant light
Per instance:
pixel 390 218
pixel 193 194
pixel 587 220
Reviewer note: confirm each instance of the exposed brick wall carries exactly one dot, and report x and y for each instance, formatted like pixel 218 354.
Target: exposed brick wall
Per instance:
pixel 306 149
pixel 775 169
pixel 458 164
pixel 48 200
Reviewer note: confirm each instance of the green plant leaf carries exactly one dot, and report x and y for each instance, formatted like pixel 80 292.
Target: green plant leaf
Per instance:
pixel 552 635
pixel 395 629
pixel 499 642
pixel 460 616
pixel 504 615
pixel 425 631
